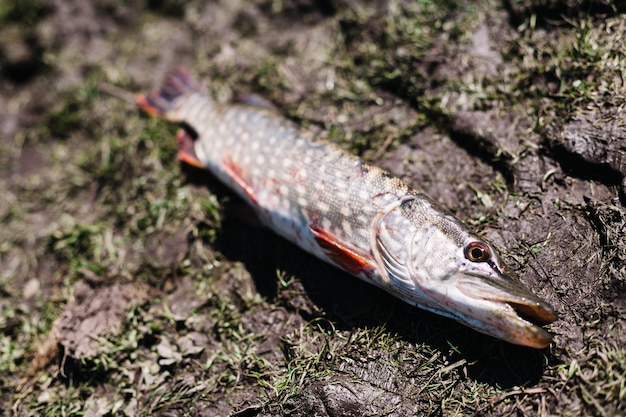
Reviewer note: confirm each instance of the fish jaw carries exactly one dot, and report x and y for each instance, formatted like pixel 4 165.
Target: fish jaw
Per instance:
pixel 515 316
pixel 429 259
pixel 515 319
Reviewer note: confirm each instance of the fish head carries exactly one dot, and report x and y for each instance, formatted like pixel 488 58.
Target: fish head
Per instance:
pixel 430 259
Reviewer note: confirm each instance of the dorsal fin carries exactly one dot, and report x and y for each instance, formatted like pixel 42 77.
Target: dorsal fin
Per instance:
pixel 256 100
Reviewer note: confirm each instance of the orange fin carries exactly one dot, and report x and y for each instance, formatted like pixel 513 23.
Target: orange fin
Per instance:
pixel 145 105
pixel 237 174
pixel 187 154
pixel 351 260
pixel 160 102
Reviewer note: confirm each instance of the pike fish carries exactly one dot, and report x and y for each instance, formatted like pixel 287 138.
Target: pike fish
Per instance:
pixel 351 214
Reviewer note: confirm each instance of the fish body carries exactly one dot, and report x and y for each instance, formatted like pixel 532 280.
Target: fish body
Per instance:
pixel 351 214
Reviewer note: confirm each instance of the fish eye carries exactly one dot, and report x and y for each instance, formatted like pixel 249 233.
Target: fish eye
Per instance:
pixel 477 252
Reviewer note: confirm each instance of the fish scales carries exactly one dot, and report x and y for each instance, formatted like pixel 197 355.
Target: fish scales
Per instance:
pixel 294 176
pixel 350 213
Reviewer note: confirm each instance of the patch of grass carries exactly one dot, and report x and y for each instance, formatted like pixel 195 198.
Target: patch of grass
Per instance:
pixel 390 58
pixel 609 219
pixel 599 379
pixel 11 353
pixel 98 197
pixel 80 245
pixel 58 400
pixel 23 11
pixel 580 66
pixel 602 380
pixel 307 351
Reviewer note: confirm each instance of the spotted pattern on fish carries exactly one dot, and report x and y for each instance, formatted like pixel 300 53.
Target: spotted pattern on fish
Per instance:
pixel 350 213
pixel 327 186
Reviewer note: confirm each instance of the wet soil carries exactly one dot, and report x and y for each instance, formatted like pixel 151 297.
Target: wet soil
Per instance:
pixel 132 285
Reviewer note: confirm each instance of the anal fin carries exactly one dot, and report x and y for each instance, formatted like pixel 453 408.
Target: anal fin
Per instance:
pixel 187 154
pixel 237 174
pixel 349 259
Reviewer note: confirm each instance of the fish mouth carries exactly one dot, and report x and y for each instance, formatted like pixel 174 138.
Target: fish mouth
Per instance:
pixel 513 313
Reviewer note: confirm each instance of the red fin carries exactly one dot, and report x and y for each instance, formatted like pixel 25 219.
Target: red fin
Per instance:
pixel 237 174
pixel 146 106
pixel 351 260
pixel 187 154
pixel 159 102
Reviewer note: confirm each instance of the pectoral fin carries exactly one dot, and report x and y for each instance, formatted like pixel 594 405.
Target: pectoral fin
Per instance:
pixel 349 259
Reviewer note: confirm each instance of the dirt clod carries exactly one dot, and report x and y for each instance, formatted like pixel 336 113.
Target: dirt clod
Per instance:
pixel 96 310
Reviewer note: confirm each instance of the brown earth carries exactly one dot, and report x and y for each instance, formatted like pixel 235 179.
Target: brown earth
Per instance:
pixel 130 285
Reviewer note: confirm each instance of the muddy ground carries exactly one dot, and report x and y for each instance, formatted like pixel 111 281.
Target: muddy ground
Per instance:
pixel 131 285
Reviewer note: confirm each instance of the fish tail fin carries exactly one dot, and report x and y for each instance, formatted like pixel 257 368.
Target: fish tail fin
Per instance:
pixel 162 102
